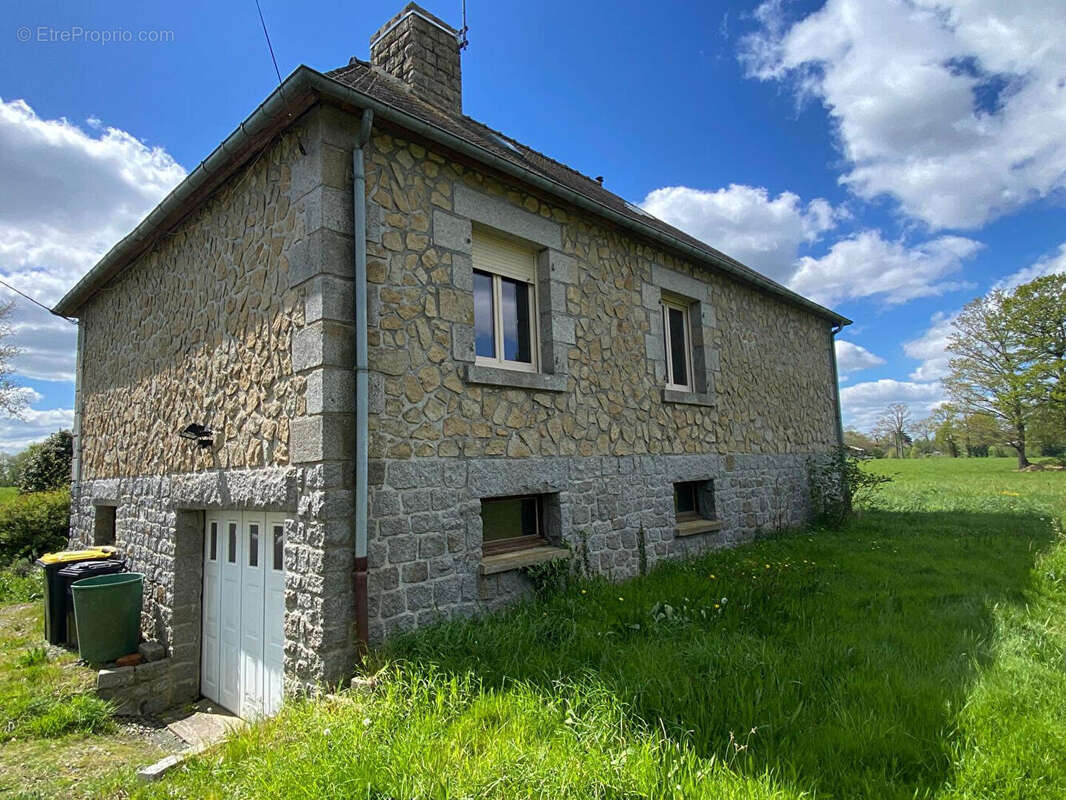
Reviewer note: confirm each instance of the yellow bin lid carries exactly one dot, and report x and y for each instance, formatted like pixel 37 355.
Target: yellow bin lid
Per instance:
pixel 104 551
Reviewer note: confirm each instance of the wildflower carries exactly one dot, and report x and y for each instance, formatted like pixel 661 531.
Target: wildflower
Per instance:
pixel 717 606
pixel 712 576
pixel 325 731
pixel 584 591
pixel 768 566
pixel 724 600
pixel 366 722
pixel 621 599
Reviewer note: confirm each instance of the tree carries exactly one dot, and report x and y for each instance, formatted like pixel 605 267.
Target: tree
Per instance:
pixel 946 430
pixel 1038 309
pixel 989 373
pixel 12 396
pixel 979 432
pixel 48 468
pixel 893 425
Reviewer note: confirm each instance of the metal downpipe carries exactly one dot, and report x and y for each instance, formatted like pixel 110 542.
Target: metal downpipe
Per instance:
pixel 362 623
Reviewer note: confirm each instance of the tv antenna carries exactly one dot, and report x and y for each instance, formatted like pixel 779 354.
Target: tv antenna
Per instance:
pixel 463 42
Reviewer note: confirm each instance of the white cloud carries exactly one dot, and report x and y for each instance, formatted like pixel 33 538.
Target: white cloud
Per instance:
pixel 1049 265
pixel 865 264
pixel 745 222
pixel 853 357
pixel 863 403
pixel 33 426
pixel 931 348
pixel 66 196
pixel 953 107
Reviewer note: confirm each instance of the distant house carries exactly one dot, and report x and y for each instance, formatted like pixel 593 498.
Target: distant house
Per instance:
pixel 372 357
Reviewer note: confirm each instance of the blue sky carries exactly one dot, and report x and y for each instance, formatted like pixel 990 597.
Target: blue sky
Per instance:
pixel 890 158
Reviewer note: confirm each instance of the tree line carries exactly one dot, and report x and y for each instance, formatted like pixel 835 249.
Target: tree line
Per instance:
pixel 1005 383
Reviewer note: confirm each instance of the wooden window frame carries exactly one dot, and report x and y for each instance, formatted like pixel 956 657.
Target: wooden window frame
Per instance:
pixel 510 545
pixel 684 307
pixel 696 487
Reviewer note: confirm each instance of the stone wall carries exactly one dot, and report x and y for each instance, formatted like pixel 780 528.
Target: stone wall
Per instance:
pixel 199 329
pixel 595 433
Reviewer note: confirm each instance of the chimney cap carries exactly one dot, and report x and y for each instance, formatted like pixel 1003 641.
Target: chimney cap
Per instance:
pixel 412 9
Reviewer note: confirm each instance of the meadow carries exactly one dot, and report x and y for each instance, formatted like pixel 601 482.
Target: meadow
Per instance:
pixel 917 653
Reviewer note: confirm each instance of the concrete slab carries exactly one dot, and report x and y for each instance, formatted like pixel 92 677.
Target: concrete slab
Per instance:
pixel 202 724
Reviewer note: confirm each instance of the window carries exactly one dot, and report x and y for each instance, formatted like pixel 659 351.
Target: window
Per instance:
pixel 505 331
pixel 678 345
pixel 511 523
pixel 694 500
pixel 232 550
pixel 279 547
pixel 104 525
pixel 253 545
pixel 214 541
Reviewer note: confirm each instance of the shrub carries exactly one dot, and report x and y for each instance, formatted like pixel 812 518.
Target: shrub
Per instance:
pixel 836 482
pixel 21 582
pixel 33 524
pixel 48 467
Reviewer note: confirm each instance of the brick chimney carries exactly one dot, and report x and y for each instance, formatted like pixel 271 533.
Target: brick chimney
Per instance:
pixel 423 52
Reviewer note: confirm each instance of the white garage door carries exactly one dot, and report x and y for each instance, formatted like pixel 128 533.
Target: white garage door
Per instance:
pixel 243 645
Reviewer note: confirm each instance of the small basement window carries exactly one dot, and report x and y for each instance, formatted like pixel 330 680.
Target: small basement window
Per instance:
pixel 511 523
pixel 694 507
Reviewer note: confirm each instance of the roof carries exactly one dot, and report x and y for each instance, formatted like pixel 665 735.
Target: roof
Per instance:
pixel 362 86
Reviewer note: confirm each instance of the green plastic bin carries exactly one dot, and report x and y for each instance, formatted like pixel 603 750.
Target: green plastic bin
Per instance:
pixel 107 610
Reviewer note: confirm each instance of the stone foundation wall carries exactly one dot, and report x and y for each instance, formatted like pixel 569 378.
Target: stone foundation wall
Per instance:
pixel 426 539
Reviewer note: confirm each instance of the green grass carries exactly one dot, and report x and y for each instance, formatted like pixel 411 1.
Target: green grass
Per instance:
pixel 920 653
pixel 43 696
pixel 8 493
pixel 57 739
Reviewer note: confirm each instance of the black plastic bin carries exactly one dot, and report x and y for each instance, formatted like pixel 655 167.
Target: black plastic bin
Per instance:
pixel 55 591
pixel 75 572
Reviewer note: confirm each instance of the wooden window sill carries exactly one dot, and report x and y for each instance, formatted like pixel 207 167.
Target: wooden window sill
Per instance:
pixel 695 526
pixel 516 559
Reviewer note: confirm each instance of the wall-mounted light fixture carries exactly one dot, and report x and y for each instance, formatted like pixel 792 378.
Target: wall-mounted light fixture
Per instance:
pixel 201 434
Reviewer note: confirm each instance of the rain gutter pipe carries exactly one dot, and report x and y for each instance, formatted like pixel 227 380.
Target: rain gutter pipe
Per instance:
pixel 361 381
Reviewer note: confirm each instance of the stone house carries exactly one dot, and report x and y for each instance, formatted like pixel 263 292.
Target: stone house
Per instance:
pixel 372 357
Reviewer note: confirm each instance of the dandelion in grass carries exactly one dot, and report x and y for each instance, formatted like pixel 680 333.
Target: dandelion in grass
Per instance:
pixel 366 722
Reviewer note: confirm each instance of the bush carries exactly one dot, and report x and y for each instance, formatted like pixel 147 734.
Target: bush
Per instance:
pixel 21 582
pixel 48 467
pixel 836 483
pixel 32 524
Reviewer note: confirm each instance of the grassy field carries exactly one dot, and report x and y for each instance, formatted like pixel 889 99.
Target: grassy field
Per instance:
pixel 920 653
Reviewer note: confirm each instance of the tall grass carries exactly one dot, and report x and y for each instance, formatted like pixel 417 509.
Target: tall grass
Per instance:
pixel 919 653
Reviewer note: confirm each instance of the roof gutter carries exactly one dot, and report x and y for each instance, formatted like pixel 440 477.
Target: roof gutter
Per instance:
pixel 303 79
